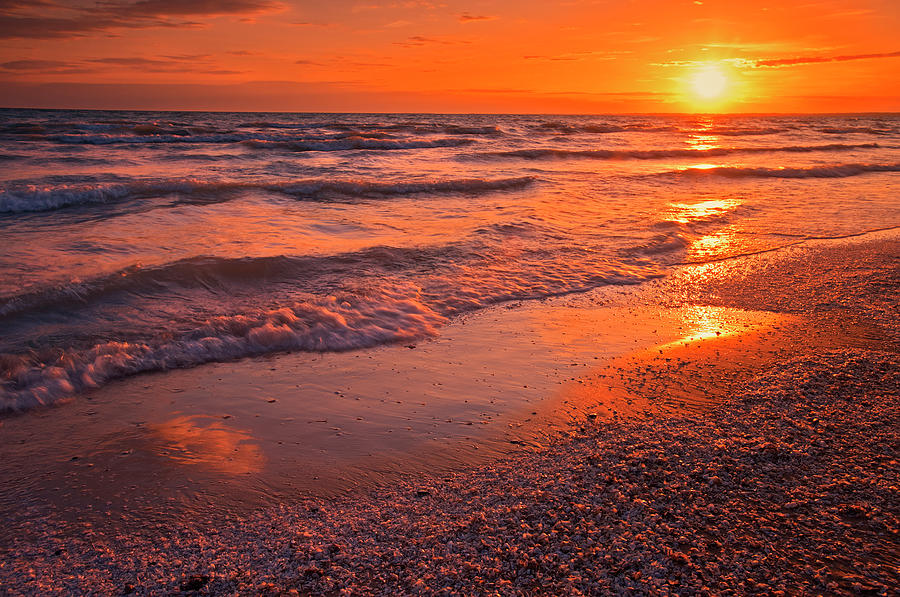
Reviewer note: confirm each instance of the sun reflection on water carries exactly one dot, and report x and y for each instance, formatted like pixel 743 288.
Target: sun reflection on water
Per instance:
pixel 686 213
pixel 703 142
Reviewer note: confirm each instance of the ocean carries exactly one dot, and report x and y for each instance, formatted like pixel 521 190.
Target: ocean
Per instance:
pixel 133 242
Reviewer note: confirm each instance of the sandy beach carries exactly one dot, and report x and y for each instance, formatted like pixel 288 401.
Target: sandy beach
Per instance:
pixel 743 440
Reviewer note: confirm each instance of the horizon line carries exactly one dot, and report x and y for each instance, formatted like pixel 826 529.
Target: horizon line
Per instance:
pixel 672 113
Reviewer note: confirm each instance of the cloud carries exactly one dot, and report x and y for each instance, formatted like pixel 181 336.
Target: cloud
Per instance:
pixel 750 63
pixel 71 19
pixel 421 40
pixel 33 64
pixel 469 18
pixel 554 58
pixel 188 8
pixel 56 67
pixel 781 62
pixel 578 56
pixel 10 5
pixel 197 63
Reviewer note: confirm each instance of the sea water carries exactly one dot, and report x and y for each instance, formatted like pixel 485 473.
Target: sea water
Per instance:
pixel 147 241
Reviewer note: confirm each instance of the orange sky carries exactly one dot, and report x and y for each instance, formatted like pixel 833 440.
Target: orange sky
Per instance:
pixel 475 56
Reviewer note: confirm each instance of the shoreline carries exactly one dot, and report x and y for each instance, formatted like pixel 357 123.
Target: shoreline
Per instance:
pixel 339 541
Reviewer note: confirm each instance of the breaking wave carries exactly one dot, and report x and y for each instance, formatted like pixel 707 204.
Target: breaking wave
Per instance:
pixel 332 323
pixel 33 199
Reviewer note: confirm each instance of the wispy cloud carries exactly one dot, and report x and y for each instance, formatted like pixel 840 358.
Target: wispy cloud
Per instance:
pixel 50 20
pixel 569 56
pixel 33 64
pixel 196 63
pixel 415 41
pixel 751 63
pixel 781 62
pixel 470 18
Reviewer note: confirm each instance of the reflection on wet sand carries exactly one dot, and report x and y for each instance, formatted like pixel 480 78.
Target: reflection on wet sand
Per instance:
pixel 210 443
pixel 689 373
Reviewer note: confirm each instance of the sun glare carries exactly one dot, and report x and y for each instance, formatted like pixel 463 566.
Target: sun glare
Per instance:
pixel 709 83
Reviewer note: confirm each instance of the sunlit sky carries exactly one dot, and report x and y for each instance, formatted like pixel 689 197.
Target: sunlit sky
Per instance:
pixel 580 56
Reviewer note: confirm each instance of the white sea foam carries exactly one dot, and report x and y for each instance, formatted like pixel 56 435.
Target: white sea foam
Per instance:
pixel 324 324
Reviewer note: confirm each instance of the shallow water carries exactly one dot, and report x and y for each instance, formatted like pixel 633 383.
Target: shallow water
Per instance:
pixel 142 241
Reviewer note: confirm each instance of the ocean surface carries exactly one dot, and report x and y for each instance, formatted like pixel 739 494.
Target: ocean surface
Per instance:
pixel 145 241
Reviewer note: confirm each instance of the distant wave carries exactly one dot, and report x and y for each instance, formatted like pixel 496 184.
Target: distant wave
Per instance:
pixel 146 139
pixel 835 171
pixel 448 129
pixel 306 142
pixel 420 128
pixel 34 199
pixel 867 130
pixel 654 154
pixel 77 129
pixel 737 131
pixel 600 128
pixel 352 143
pixel 332 323
pixel 570 128
pixel 302 140
pixel 364 128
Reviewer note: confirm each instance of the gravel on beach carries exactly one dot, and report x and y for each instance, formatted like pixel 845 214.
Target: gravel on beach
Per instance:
pixel 792 487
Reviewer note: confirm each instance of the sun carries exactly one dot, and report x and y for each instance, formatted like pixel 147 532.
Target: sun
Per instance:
pixel 709 82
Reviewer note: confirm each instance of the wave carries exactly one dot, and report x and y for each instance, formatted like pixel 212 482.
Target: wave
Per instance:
pixel 654 154
pixel 164 136
pixel 355 143
pixel 835 171
pixel 340 321
pixel 210 273
pixel 266 124
pixel 355 317
pixel 600 128
pixel 146 139
pixel 333 323
pixel 35 198
pixel 445 129
pixel 737 131
pixel 418 128
pixel 858 129
pixel 118 127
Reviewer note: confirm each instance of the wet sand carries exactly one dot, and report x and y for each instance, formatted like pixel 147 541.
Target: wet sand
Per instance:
pixel 733 428
pixel 230 437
